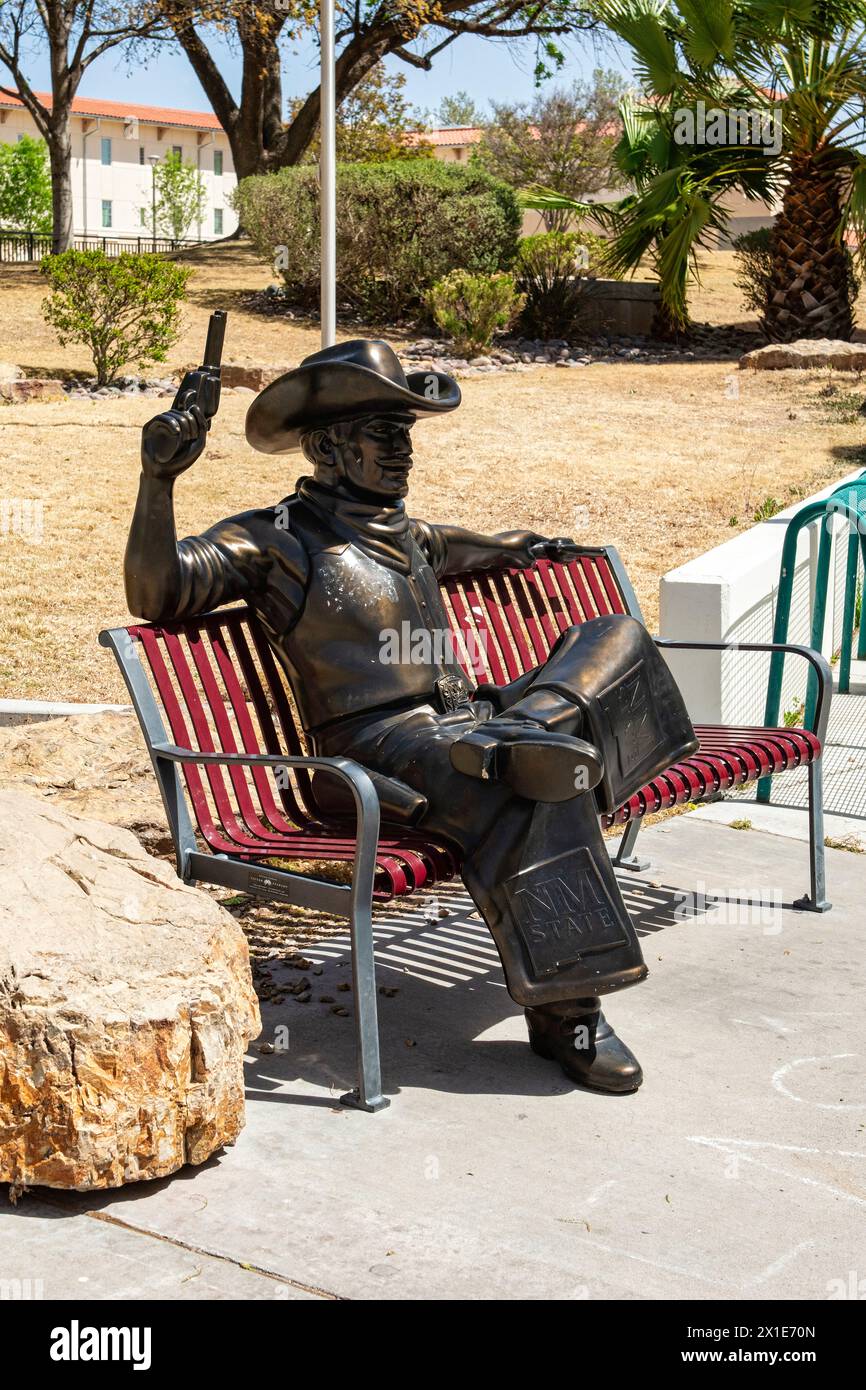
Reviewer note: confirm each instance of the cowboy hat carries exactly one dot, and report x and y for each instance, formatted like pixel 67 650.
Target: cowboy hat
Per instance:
pixel 344 382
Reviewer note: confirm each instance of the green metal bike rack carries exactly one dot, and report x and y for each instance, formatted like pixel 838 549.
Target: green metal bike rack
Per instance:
pixel 848 501
pixel 856 496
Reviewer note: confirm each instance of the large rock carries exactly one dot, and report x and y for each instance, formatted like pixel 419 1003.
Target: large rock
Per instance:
pixel 807 352
pixel 126 1006
pixel 91 764
pixel 253 378
pixel 32 388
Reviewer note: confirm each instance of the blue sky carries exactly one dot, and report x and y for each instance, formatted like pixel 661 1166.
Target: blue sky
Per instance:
pixel 487 69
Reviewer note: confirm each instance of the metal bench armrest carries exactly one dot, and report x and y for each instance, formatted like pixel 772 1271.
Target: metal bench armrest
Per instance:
pixel 819 664
pixel 360 785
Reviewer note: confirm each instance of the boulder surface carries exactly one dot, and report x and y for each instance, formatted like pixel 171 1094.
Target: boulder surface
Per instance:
pixel 126 1006
pixel 807 352
pixel 92 765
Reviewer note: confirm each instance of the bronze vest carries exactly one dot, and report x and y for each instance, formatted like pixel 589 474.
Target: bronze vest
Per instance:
pixel 368 637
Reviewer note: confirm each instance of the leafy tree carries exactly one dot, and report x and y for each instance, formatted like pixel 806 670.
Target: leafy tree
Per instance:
pixel 563 141
pixel 373 122
pixel 803 62
pixel 414 31
pixel 180 197
pixel 74 33
pixel 124 310
pixel 25 186
pixel 459 110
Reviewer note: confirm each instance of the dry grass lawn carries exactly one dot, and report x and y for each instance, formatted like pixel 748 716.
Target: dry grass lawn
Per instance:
pixel 655 459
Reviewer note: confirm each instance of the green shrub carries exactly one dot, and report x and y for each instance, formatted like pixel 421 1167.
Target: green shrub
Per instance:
pixel 401 226
pixel 552 270
pixel 469 308
pixel 754 260
pixel 124 310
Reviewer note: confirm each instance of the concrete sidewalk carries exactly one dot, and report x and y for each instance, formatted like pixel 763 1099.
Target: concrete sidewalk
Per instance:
pixel 738 1171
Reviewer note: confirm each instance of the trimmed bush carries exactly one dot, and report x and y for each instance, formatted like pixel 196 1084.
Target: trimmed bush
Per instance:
pixel 401 226
pixel 469 308
pixel 124 310
pixel 552 270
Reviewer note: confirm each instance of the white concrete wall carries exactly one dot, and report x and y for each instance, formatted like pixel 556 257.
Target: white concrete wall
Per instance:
pixel 126 183
pixel 729 595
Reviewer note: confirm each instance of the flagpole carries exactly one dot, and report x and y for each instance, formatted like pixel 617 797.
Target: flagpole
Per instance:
pixel 328 175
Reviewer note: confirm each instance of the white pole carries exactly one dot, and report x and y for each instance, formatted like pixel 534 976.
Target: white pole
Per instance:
pixel 328 175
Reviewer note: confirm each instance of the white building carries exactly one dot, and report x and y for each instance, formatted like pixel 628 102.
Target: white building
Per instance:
pixel 114 146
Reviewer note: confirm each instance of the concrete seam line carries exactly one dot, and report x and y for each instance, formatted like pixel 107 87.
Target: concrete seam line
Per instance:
pixel 213 1255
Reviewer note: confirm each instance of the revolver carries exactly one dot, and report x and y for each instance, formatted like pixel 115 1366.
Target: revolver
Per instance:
pixel 204 383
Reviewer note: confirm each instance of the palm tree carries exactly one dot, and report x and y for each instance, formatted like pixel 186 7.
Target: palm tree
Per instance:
pixel 804 63
pixel 677 206
pixel 817 68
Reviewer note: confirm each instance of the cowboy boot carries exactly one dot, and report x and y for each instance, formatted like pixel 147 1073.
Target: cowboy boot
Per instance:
pixel 576 1034
pixel 535 762
pixel 533 746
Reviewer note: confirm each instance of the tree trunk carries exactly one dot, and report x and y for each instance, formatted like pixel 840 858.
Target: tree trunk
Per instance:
pixel 59 142
pixel 357 59
pixel 810 288
pixel 665 326
pixel 260 141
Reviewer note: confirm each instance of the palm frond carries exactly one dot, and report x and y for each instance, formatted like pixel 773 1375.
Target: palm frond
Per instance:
pixel 710 31
pixel 643 25
pixel 547 200
pixel 854 220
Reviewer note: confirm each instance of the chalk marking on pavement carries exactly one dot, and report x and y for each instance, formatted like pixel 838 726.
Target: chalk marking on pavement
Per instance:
pixel 778 1265
pixel 724 1146
pixel 780 1086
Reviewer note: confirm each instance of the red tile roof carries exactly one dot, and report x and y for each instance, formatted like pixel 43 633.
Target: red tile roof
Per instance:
pixel 120 110
pixel 459 135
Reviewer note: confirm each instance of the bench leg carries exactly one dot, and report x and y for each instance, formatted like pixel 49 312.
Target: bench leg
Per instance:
pixel 624 857
pixel 816 899
pixel 367 1095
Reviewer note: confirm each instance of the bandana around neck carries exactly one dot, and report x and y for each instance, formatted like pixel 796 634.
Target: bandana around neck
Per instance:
pixel 379 529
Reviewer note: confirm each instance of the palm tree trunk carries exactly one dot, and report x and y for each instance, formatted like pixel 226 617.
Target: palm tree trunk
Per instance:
pixel 809 294
pixel 666 326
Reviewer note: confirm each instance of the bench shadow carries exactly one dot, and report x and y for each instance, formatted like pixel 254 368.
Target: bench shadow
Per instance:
pixel 441 992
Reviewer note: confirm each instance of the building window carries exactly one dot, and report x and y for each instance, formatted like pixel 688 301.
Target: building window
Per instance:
pixel 217 162
pixel 178 151
pixel 141 154
pixel 218 221
pixel 106 212
pixel 106 149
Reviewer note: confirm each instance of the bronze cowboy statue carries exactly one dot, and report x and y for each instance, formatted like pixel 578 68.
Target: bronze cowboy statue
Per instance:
pixel 514 776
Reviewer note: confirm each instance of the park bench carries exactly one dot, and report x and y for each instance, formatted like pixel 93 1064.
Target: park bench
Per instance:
pixel 214 706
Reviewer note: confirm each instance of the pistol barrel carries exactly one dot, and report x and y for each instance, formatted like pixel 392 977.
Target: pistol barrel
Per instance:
pixel 213 348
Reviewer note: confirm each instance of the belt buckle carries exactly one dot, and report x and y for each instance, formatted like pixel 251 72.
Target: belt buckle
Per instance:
pixel 450 693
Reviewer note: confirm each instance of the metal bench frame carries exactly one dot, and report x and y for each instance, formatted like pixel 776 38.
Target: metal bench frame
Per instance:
pixel 354 902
